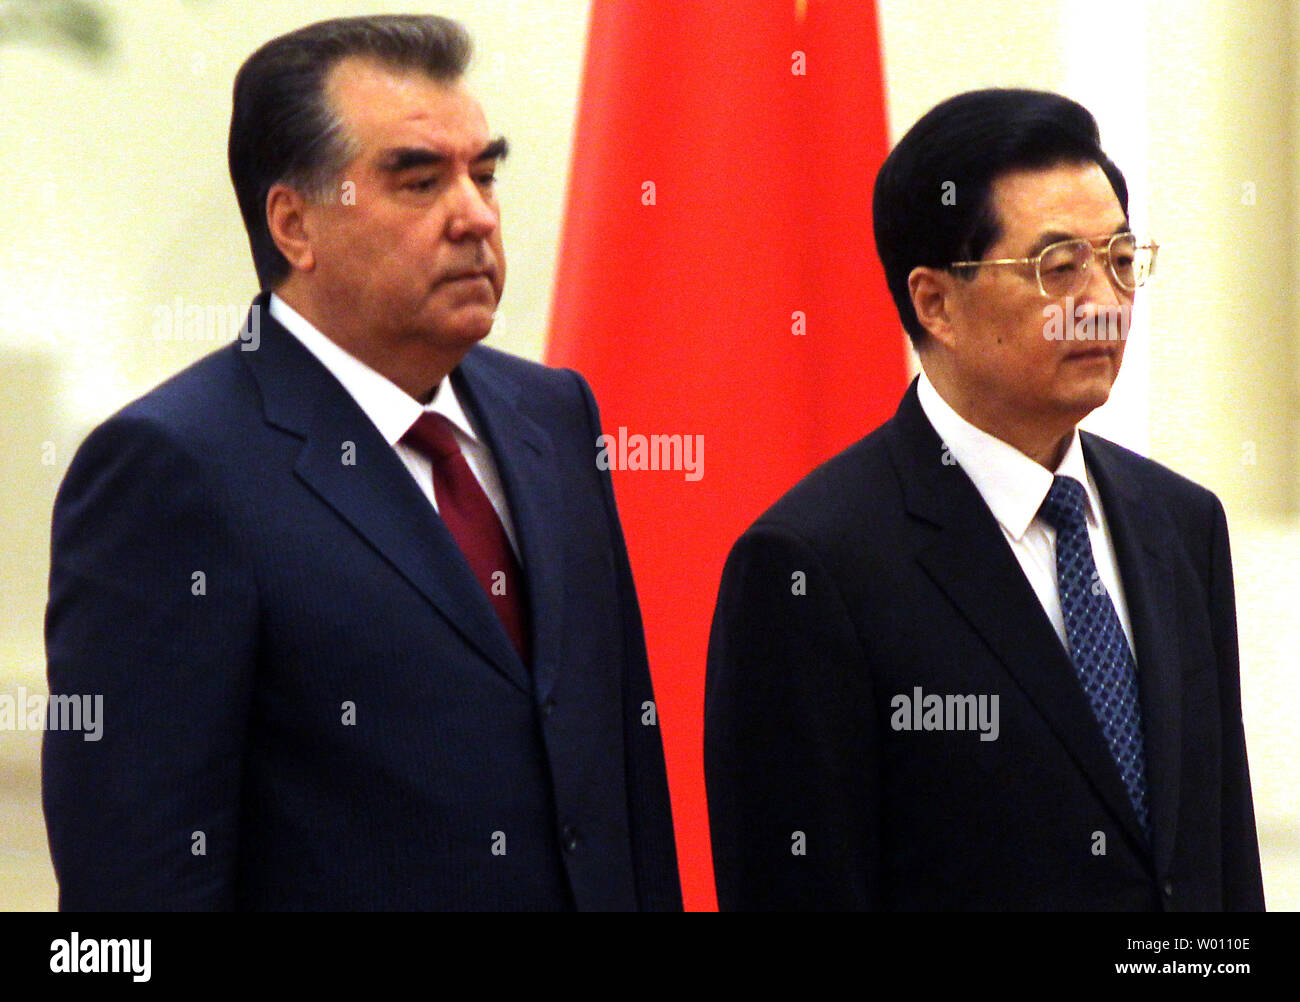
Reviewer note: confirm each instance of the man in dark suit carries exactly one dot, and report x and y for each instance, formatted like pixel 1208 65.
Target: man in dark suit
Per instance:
pixel 980 660
pixel 353 589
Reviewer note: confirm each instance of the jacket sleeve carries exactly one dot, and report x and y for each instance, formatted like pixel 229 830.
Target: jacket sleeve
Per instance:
pixel 152 612
pixel 791 748
pixel 654 848
pixel 1243 888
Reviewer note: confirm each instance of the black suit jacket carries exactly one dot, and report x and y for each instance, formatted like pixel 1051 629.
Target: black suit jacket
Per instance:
pixel 332 712
pixel 909 582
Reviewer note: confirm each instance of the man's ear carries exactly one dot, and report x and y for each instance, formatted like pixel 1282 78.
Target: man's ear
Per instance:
pixel 932 291
pixel 286 212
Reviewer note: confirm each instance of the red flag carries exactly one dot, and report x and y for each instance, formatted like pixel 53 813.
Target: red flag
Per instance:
pixel 718 281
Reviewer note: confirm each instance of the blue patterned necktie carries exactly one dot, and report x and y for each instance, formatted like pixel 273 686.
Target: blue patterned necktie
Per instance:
pixel 1098 646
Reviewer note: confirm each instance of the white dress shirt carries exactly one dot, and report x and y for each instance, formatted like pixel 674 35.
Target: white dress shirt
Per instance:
pixel 1014 487
pixel 392 411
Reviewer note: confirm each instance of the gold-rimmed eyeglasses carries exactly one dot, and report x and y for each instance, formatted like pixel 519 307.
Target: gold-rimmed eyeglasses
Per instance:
pixel 1062 268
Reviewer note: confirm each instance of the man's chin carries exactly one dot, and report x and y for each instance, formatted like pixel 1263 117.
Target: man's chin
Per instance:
pixel 1084 398
pixel 468 328
pixel 1092 376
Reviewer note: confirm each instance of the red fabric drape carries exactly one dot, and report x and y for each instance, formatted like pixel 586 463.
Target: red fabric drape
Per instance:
pixel 719 204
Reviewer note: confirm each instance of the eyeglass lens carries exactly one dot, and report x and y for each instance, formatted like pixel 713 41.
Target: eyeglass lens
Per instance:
pixel 1063 267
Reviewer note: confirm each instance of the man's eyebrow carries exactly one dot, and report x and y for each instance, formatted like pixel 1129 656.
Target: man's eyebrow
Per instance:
pixel 495 150
pixel 401 158
pixel 404 157
pixel 1055 236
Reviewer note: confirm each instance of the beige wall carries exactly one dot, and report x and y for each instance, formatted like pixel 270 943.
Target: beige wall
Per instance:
pixel 1221 83
pixel 117 201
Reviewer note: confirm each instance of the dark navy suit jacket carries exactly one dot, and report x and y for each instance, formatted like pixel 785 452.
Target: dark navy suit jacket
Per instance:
pixel 908 582
pixel 309 702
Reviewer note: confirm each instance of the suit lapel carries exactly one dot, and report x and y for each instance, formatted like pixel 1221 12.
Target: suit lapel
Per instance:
pixel 1141 535
pixel 374 493
pixel 970 561
pixel 525 460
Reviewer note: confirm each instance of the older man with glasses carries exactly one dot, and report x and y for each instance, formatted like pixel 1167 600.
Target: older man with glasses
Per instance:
pixel 981 660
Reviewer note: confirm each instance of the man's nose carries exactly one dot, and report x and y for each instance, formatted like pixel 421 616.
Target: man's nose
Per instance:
pixel 1103 303
pixel 471 213
pixel 1102 288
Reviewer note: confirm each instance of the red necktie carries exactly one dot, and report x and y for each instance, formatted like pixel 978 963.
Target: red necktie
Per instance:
pixel 473 522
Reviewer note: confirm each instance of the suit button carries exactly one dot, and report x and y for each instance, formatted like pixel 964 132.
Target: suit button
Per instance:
pixel 569 838
pixel 1168 888
pixel 548 706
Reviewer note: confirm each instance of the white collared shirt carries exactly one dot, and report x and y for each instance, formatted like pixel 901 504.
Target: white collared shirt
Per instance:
pixel 393 411
pixel 1014 487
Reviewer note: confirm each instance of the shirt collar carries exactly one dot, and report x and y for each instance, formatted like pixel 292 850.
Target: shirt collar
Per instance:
pixel 1011 484
pixel 446 403
pixel 389 407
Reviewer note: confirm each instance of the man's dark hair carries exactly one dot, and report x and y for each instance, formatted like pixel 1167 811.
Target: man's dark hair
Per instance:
pixel 282 128
pixel 958 149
